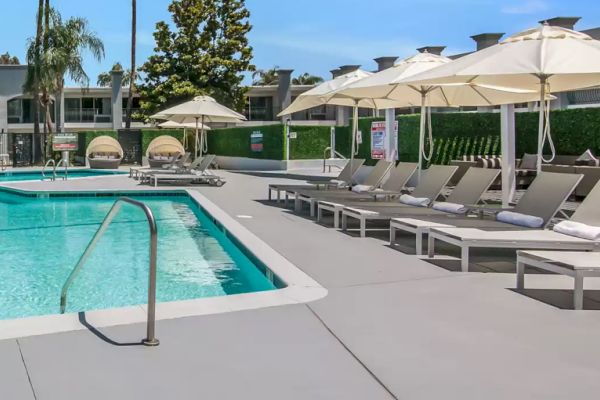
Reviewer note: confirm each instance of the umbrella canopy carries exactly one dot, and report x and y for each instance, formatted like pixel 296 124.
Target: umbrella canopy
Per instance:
pixel 325 93
pixel 201 109
pixel 394 84
pixel 184 125
pixel 546 59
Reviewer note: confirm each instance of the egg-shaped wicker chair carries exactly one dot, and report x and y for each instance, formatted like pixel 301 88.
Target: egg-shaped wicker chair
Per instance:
pixel 104 152
pixel 162 150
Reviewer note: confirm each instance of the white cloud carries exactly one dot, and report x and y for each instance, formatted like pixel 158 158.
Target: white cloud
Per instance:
pixel 526 7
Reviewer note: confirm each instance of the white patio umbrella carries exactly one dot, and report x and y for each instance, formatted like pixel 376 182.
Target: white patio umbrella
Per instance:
pixel 390 84
pixel 184 126
pixel 545 59
pixel 325 94
pixel 201 110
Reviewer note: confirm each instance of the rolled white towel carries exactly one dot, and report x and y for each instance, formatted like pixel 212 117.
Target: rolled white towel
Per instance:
pixel 578 229
pixel 361 188
pixel 514 218
pixel 338 183
pixel 450 207
pixel 414 201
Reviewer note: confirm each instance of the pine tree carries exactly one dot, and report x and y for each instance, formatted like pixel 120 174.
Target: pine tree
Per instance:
pixel 206 53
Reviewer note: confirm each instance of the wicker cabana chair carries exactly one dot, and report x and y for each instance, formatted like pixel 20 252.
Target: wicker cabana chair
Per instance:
pixel 104 152
pixel 161 150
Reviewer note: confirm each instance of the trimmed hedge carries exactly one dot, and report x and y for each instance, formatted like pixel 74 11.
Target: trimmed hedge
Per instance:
pixel 235 142
pixel 310 143
pixel 148 135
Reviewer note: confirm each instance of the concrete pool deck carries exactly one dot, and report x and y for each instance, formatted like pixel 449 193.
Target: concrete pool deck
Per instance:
pixel 392 326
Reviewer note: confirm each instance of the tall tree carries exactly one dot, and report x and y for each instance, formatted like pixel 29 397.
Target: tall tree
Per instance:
pixel 105 78
pixel 265 77
pixel 66 42
pixel 307 79
pixel 132 70
pixel 205 52
pixel 7 59
pixel 33 71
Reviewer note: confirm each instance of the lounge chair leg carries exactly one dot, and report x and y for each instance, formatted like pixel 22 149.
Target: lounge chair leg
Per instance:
pixel 419 243
pixel 278 196
pixel 269 194
pixel 464 259
pixel 363 227
pixel 430 247
pixel 520 275
pixel 319 214
pixel 336 219
pixel 578 292
pixel 344 222
pixel 286 200
pixel 392 235
pixel 297 204
pixel 312 208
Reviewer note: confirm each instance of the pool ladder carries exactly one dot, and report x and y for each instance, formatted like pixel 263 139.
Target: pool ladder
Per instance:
pixel 55 166
pixel 150 339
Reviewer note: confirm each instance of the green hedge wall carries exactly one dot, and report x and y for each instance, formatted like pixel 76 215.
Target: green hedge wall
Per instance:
pixel 458 134
pixel 148 135
pixel 310 142
pixel 235 142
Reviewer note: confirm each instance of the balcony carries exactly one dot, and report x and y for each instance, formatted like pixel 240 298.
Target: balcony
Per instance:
pixel 86 115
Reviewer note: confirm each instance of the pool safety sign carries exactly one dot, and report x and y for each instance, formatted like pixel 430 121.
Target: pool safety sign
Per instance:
pixel 65 142
pixel 381 145
pixel 256 141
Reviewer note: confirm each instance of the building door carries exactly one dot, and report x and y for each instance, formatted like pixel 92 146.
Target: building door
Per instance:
pixel 131 142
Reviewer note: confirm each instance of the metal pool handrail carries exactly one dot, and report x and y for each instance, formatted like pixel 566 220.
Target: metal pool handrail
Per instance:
pixel 62 161
pixel 150 339
pixel 48 163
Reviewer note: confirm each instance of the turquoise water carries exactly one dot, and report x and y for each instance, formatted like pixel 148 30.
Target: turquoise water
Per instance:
pixel 9 176
pixel 41 240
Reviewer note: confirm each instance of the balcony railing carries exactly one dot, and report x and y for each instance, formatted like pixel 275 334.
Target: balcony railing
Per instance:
pixel 86 115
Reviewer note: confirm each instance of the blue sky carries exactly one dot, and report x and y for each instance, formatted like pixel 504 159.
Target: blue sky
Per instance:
pixel 312 35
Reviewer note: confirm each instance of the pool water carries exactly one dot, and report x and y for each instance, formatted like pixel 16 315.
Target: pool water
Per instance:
pixel 35 175
pixel 41 240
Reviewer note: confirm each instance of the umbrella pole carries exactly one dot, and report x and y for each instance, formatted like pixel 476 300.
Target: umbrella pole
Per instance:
pixel 196 141
pixel 422 135
pixel 542 123
pixel 354 134
pixel 202 137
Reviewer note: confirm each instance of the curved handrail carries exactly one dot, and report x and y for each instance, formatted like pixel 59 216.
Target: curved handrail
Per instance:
pixel 66 163
pixel 150 325
pixel 48 163
pixel 328 150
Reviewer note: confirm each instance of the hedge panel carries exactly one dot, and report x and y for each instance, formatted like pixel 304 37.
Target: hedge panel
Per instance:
pixel 235 142
pixel 310 142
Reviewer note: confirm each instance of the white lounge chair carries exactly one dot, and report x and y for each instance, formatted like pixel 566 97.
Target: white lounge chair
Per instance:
pixel 587 213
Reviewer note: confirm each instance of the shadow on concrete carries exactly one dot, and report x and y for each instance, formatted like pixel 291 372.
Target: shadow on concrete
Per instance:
pixel 102 336
pixel 561 298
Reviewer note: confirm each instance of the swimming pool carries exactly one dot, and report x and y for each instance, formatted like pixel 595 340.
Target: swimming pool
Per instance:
pixel 36 175
pixel 42 238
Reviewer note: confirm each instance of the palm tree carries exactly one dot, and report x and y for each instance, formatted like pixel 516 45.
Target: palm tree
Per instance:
pixel 66 42
pixel 307 79
pixel 265 77
pixel 105 78
pixel 132 78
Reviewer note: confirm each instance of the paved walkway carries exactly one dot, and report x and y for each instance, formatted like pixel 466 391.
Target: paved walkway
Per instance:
pixel 392 326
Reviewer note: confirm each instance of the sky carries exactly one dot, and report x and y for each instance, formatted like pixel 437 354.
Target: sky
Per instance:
pixel 313 36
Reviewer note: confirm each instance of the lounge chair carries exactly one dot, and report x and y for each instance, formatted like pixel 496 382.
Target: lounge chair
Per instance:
pixel 161 149
pixel 198 166
pixel 177 162
pixel 543 199
pixel 575 264
pixel 372 181
pixel 393 187
pixel 213 180
pixel 493 234
pixel 432 183
pixel 344 179
pixel 104 152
